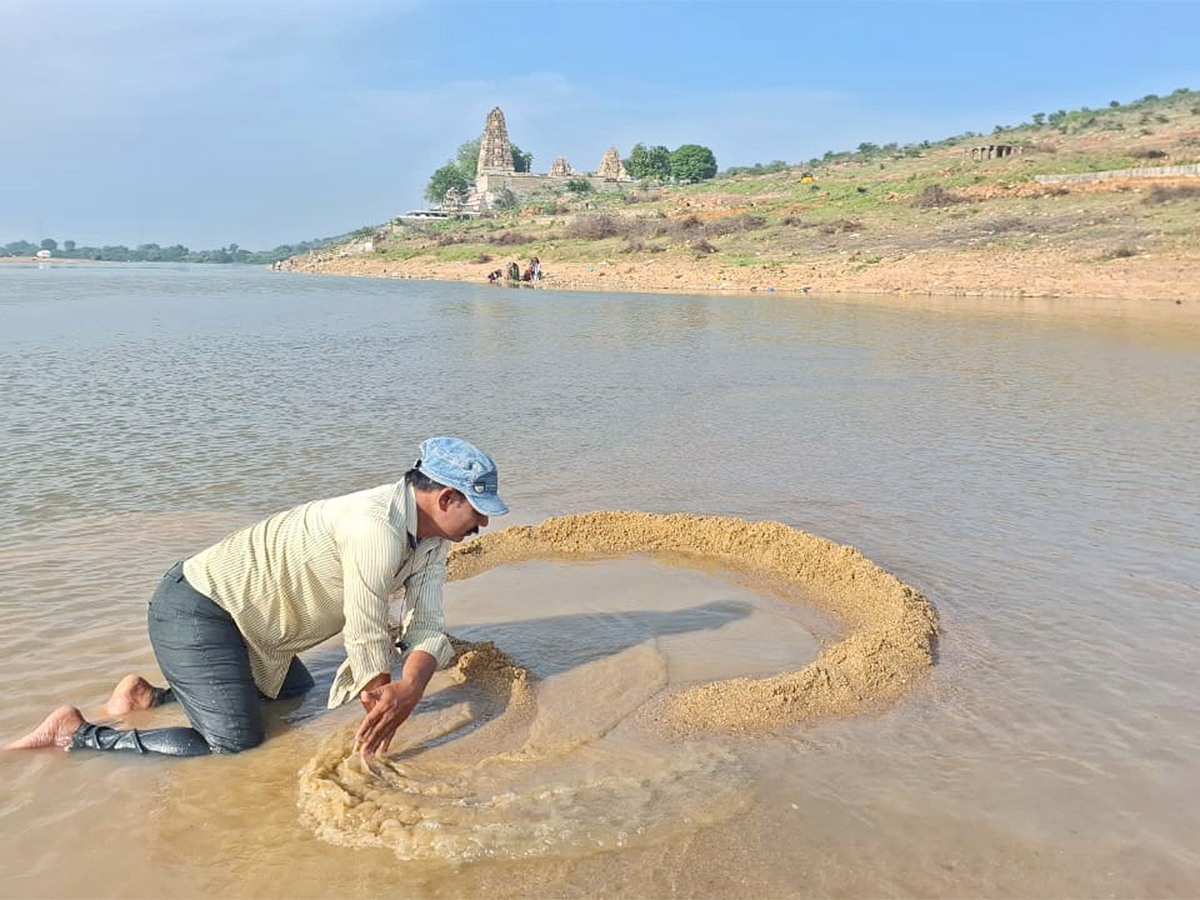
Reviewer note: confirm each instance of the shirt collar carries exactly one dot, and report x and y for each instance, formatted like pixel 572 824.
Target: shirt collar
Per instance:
pixel 410 514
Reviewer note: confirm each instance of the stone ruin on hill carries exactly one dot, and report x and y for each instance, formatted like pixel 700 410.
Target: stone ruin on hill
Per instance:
pixel 496 176
pixel 995 151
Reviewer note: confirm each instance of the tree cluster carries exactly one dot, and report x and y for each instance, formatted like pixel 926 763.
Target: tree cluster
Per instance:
pixel 690 162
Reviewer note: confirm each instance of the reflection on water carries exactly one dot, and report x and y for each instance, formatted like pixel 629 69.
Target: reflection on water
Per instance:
pixel 1033 475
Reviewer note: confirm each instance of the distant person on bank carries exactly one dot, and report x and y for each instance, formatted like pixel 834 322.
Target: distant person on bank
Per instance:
pixel 227 623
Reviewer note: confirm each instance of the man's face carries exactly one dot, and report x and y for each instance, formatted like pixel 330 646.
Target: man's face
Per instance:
pixel 455 518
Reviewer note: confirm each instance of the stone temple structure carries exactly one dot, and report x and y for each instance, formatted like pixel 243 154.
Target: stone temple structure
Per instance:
pixel 495 151
pixel 496 173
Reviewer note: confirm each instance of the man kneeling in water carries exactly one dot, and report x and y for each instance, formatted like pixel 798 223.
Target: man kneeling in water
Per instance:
pixel 227 623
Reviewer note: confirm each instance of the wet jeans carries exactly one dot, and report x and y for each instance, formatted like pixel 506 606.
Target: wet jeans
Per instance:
pixel 204 659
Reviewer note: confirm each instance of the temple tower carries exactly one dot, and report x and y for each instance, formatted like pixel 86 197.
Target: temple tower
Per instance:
pixel 611 167
pixel 495 152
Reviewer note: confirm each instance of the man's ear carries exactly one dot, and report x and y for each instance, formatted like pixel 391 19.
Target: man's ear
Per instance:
pixel 445 498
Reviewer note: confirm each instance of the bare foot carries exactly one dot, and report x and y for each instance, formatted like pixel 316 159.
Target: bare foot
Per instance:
pixel 55 731
pixel 131 692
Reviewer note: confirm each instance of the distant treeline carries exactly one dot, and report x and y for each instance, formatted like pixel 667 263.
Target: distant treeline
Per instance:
pixel 175 253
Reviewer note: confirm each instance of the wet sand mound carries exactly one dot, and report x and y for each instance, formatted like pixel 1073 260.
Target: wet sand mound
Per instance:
pixel 499 767
pixel 890 626
pixel 496 770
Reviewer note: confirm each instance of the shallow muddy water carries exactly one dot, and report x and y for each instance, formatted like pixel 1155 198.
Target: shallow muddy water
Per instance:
pixel 1033 475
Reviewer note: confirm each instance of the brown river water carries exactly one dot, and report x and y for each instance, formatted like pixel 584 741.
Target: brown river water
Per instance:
pixel 641 717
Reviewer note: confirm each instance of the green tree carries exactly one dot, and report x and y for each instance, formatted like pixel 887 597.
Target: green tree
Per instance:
pixel 467 159
pixel 579 186
pixel 522 161
pixel 691 162
pixel 446 180
pixel 649 162
pixel 69 246
pixel 1039 119
pixel 49 244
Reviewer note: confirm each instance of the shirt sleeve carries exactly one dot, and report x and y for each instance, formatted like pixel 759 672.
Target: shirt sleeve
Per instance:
pixel 426 627
pixel 371 554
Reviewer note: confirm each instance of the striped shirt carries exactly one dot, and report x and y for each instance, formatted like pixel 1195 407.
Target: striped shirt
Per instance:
pixel 303 575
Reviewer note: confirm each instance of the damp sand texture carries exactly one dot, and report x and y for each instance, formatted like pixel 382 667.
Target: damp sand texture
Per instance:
pixel 890 626
pixel 494 779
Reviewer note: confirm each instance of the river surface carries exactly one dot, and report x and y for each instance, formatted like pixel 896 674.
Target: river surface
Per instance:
pixel 1033 474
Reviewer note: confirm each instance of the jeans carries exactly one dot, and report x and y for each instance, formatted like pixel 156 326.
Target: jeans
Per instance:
pixel 204 658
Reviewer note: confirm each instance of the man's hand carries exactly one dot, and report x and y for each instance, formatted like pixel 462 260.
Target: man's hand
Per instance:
pixel 388 703
pixel 369 693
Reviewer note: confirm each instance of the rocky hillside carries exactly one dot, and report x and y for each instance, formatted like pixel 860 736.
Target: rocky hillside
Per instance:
pixel 933 218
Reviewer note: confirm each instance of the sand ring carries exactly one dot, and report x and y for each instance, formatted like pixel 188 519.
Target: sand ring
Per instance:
pixel 891 626
pixel 481 781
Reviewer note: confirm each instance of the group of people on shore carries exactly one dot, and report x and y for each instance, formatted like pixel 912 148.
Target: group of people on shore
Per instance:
pixel 514 273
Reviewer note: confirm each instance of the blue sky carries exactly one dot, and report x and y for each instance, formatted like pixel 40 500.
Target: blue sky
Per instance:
pixel 206 123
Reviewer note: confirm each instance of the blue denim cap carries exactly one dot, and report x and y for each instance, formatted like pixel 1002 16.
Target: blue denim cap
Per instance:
pixel 466 468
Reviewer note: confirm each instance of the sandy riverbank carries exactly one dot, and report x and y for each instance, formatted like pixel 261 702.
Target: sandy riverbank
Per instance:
pixel 1140 286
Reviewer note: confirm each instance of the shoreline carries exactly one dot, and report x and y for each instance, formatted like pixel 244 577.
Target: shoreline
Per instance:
pixel 14 260
pixel 1141 288
pixel 1138 288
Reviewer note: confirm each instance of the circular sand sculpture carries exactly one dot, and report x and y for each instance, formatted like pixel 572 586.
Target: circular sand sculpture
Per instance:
pixel 891 626
pixel 488 771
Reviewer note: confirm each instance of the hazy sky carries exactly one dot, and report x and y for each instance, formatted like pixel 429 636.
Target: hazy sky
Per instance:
pixel 206 123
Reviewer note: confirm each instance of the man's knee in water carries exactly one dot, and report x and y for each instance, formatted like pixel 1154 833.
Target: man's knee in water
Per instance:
pixel 236 740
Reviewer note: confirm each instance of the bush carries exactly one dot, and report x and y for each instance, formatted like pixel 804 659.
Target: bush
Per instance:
pixel 934 195
pixel 1165 194
pixel 703 246
pixel 1010 223
pixel 1146 153
pixel 841 226
pixel 509 239
pixel 579 186
pixel 482 258
pixel 643 195
pixel 731 224
pixel 592 228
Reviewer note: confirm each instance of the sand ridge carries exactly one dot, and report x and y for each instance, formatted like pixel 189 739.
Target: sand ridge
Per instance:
pixel 891 627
